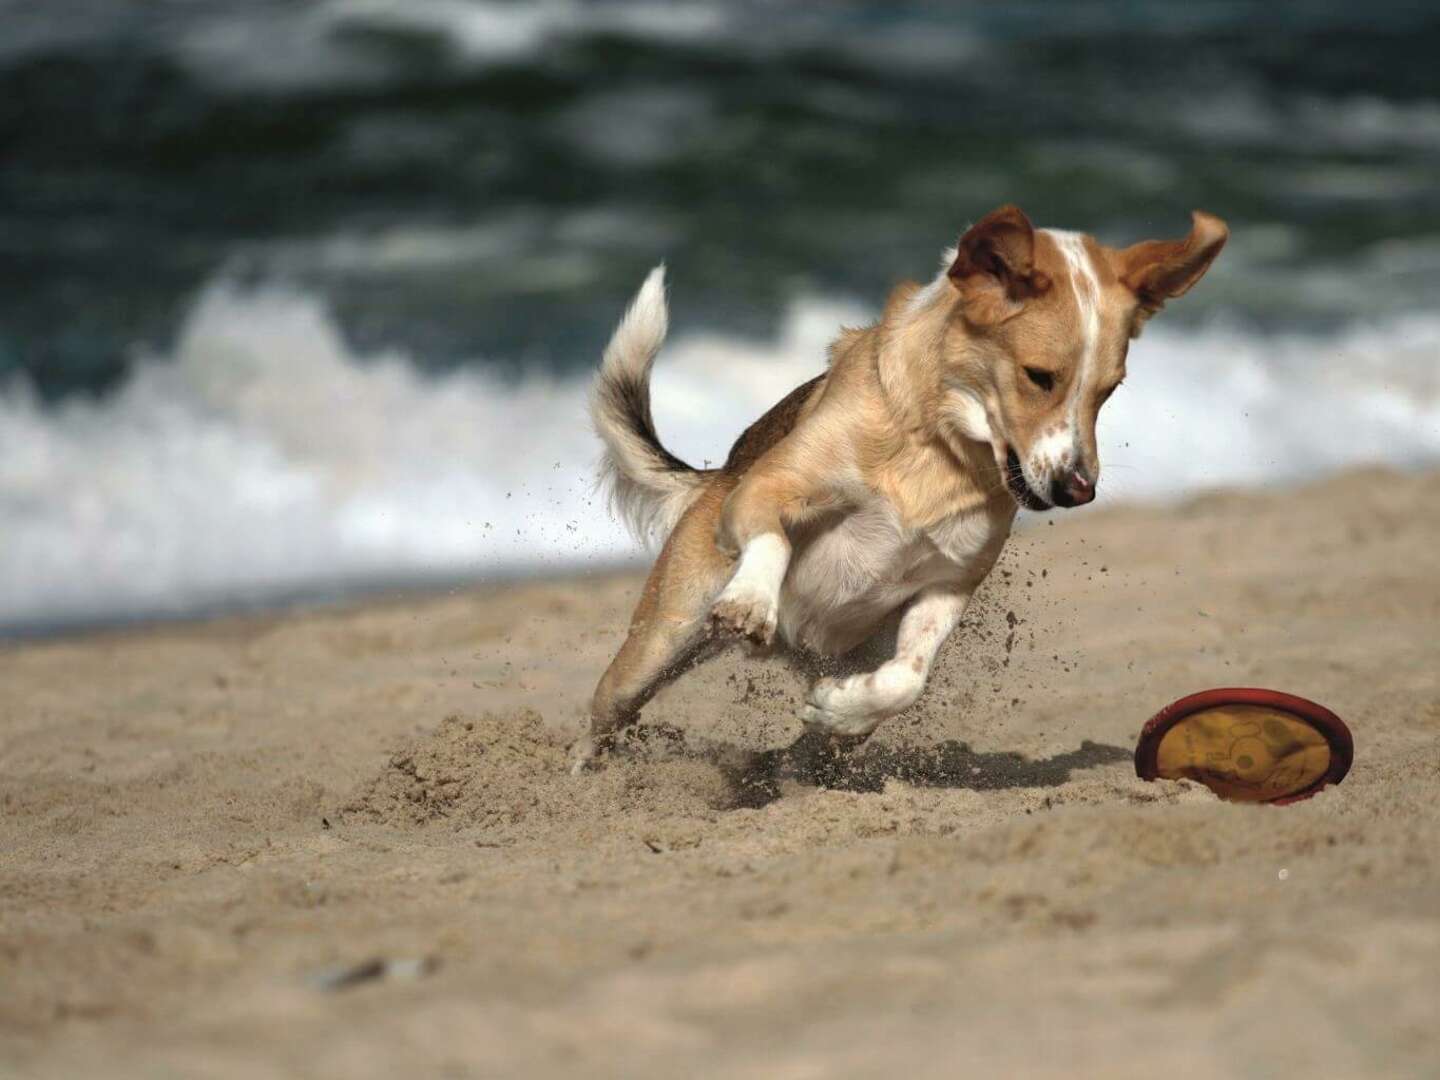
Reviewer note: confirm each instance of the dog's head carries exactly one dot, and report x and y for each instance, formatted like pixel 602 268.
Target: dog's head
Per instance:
pixel 1038 337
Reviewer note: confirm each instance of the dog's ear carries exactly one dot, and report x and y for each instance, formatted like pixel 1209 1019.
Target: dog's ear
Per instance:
pixel 1157 270
pixel 994 266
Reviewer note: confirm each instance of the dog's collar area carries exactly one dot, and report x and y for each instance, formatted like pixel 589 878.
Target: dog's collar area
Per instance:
pixel 1015 481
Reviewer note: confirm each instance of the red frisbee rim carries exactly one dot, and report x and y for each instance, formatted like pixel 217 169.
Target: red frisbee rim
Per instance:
pixel 1342 743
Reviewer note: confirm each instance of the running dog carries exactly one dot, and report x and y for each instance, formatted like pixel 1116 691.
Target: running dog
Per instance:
pixel 889 483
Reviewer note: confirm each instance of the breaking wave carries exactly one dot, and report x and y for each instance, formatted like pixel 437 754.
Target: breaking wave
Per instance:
pixel 263 457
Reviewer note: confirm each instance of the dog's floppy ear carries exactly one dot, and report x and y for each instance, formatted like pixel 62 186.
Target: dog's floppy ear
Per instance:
pixel 994 266
pixel 1156 270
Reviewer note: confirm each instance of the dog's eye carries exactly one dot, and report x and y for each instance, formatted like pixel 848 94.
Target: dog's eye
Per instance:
pixel 1045 380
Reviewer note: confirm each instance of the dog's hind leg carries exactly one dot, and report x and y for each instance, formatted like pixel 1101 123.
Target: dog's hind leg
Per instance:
pixel 668 632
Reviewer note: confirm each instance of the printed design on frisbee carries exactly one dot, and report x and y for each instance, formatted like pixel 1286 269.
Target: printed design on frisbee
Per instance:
pixel 1247 745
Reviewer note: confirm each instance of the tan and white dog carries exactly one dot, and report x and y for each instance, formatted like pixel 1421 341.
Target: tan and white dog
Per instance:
pixel 890 482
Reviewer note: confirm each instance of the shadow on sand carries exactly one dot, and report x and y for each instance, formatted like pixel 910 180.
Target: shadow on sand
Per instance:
pixel 854 765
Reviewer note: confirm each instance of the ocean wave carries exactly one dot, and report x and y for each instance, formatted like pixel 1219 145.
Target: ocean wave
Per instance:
pixel 263 456
pixel 333 44
pixel 1249 115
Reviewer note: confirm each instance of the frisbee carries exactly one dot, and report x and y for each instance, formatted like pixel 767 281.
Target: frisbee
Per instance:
pixel 1247 745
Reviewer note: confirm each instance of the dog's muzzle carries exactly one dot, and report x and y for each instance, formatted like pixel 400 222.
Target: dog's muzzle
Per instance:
pixel 1019 487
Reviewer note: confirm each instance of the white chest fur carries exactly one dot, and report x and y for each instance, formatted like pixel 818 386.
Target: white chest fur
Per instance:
pixel 848 572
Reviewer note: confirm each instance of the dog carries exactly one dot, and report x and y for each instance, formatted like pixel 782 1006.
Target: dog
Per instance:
pixel 886 486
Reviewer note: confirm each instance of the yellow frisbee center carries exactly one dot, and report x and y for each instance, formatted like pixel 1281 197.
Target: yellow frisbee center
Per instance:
pixel 1246 753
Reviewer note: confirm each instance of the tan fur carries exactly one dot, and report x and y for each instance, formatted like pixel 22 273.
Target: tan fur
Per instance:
pixel 889 483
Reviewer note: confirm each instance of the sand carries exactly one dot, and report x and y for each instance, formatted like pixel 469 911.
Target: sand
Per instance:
pixel 343 842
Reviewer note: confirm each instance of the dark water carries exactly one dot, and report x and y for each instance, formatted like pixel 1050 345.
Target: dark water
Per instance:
pixel 491 180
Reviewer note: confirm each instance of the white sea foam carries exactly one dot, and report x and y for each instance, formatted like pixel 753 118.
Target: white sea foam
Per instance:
pixel 263 456
pixel 325 44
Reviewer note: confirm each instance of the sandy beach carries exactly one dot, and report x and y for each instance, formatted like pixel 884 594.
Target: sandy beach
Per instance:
pixel 343 842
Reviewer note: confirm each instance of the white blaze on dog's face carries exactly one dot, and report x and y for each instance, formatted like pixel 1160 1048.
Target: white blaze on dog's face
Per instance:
pixel 1039 337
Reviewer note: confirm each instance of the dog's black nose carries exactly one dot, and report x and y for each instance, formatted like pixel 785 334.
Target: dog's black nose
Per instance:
pixel 1073 488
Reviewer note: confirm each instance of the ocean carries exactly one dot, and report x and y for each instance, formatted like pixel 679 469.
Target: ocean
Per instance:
pixel 302 298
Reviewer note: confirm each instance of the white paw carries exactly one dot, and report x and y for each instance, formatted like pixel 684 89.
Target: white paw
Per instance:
pixel 836 723
pixel 746 611
pixel 856 705
pixel 830 708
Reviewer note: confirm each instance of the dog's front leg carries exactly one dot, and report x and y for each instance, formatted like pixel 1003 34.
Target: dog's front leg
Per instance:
pixel 750 604
pixel 857 704
pixel 777 490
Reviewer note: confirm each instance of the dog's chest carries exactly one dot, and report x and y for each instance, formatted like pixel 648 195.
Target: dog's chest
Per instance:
pixel 847 574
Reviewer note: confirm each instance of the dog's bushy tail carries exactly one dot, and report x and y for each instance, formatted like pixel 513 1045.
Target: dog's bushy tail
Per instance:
pixel 649 486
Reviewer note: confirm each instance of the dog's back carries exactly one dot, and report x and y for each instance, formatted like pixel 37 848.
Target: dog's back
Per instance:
pixel 778 422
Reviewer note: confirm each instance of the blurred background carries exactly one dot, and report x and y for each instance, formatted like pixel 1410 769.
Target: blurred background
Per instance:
pixel 303 297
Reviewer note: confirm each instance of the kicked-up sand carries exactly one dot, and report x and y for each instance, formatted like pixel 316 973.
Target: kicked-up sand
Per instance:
pixel 345 843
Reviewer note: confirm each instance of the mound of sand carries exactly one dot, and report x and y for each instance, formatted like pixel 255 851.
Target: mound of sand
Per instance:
pixel 506 776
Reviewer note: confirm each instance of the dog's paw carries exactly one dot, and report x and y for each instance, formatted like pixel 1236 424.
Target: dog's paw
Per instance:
pixel 745 612
pixel 585 755
pixel 827 712
pixel 847 725
pixel 857 704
